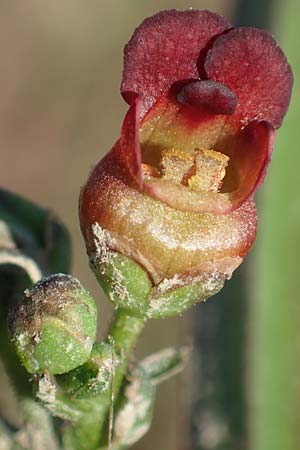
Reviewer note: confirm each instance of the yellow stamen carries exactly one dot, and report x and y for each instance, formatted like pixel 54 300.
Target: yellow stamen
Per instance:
pixel 149 171
pixel 175 164
pixel 210 169
pixel 203 170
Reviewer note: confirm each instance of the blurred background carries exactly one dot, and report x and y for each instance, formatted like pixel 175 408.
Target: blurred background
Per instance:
pixel 60 112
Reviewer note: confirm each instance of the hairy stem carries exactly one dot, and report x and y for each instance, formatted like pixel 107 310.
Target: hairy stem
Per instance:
pixel 95 427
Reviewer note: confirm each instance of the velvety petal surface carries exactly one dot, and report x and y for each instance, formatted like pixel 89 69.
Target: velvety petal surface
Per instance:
pixel 209 97
pixel 253 66
pixel 165 49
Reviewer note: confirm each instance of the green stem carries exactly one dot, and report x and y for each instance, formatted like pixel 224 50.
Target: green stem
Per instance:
pixel 93 428
pixel 123 334
pixel 124 331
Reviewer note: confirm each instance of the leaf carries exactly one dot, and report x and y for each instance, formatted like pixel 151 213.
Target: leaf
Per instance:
pixel 38 432
pixel 7 439
pixel 134 417
pixel 32 243
pixel 165 364
pixel 34 232
pixel 46 390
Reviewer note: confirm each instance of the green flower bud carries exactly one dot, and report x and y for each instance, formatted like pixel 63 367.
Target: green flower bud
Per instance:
pixel 55 325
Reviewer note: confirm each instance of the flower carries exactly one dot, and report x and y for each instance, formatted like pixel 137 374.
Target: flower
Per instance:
pixel 175 193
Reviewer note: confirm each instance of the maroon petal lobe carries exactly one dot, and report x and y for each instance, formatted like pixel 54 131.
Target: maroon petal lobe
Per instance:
pixel 252 65
pixel 129 148
pixel 165 49
pixel 208 96
pixel 251 155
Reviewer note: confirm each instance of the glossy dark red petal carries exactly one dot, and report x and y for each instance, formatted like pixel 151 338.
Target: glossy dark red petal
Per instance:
pixel 208 96
pixel 165 49
pixel 253 66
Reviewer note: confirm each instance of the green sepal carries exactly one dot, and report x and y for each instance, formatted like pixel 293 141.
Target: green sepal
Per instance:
pixel 165 364
pixel 131 288
pixel 47 390
pixel 172 298
pixel 92 378
pixel 71 396
pixel 124 281
pixel 56 402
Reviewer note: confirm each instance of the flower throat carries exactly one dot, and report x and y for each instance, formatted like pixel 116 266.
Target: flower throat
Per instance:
pixel 202 171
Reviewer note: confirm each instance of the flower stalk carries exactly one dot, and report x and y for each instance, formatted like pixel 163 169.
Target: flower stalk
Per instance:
pixel 95 430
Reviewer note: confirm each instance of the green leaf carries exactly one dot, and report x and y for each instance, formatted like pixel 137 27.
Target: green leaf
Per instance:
pixel 33 232
pixel 6 438
pixel 165 364
pixel 32 243
pixel 39 430
pixel 134 417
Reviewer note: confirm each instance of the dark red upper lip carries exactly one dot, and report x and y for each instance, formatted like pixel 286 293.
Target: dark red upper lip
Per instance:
pixel 174 46
pixel 196 58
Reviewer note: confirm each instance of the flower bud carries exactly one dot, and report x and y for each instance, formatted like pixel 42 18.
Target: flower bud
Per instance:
pixel 55 325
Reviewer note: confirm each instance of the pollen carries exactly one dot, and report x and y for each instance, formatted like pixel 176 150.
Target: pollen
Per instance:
pixel 210 169
pixel 175 164
pixel 203 170
pixel 149 171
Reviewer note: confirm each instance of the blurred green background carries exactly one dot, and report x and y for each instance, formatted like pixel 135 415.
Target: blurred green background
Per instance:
pixel 60 112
